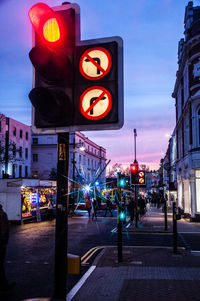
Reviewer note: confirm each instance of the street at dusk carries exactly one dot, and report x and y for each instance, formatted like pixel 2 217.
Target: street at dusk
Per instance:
pixel 100 150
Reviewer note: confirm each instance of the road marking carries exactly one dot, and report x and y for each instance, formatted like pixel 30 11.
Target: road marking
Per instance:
pixel 91 254
pixel 114 230
pixel 189 232
pixel 88 252
pixel 76 288
pixel 194 252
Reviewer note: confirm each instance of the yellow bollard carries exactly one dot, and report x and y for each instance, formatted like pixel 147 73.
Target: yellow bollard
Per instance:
pixel 73 264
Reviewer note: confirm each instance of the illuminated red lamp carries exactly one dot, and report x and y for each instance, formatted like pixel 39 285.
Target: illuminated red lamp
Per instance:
pixel 134 168
pixel 48 25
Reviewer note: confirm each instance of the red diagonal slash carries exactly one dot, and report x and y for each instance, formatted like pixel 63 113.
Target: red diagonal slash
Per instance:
pixel 95 102
pixel 95 63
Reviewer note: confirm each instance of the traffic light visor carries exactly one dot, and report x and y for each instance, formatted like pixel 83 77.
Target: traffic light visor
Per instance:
pixel 47 24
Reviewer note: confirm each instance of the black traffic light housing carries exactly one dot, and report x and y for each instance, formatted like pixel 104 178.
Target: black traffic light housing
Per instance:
pixel 133 173
pixel 63 98
pixel 53 60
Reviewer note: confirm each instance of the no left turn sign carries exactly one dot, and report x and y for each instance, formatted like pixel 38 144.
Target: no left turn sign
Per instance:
pixel 95 63
pixel 95 103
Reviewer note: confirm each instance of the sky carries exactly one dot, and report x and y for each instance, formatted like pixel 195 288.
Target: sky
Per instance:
pixel 150 30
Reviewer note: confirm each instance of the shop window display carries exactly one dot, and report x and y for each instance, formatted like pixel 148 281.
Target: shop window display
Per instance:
pixel 35 201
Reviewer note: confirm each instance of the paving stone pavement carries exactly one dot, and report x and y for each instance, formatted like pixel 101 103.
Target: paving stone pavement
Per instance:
pixel 135 280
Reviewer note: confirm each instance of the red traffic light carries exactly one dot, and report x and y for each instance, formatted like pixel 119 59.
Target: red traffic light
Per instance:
pixel 48 25
pixel 134 168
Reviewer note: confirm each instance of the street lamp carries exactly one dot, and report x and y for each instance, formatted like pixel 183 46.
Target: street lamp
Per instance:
pixel 81 146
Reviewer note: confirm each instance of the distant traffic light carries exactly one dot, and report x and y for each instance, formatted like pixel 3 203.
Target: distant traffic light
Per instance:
pixel 52 57
pixel 133 173
pixel 121 180
pixel 122 215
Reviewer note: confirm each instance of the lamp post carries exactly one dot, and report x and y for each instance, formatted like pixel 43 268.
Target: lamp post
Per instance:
pixel 136 197
pixel 82 148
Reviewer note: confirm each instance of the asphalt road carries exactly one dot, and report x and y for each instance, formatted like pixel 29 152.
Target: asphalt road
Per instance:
pixel 30 254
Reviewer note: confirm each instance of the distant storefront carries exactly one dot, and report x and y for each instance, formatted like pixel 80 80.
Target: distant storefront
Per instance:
pixel 25 199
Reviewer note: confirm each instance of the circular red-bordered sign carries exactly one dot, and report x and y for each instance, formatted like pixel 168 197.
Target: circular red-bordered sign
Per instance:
pixel 95 63
pixel 95 103
pixel 141 180
pixel 141 173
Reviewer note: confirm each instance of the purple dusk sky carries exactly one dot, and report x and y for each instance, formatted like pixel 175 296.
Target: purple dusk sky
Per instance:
pixel 150 29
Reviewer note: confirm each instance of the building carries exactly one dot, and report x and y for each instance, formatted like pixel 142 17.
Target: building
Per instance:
pixel 15 148
pixel 187 97
pixel 87 160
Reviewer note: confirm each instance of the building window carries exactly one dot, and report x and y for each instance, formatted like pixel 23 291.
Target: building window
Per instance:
pixel 26 171
pixel 14 131
pixel 20 152
pixel 35 140
pixel 88 162
pixel 26 153
pixel 0 126
pixel 26 135
pixel 88 148
pixel 20 133
pixel 20 171
pixel 14 150
pixel 95 151
pixel 35 157
pixel 79 158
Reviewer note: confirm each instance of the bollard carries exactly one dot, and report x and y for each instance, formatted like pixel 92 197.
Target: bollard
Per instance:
pixel 119 236
pixel 174 229
pixel 165 212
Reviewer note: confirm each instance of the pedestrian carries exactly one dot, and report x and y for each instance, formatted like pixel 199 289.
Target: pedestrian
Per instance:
pixel 142 206
pixel 108 206
pixel 4 236
pixel 88 205
pixel 50 209
pixel 99 202
pixel 131 209
pixel 94 209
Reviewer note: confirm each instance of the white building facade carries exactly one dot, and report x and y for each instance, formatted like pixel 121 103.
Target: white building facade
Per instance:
pixel 15 148
pixel 84 165
pixel 187 95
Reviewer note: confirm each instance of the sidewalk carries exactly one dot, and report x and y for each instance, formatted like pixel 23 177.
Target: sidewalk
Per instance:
pixel 146 273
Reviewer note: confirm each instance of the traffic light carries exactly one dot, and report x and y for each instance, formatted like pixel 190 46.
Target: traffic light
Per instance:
pixel 122 215
pixel 99 95
pixel 133 173
pixel 52 57
pixel 121 180
pixel 77 85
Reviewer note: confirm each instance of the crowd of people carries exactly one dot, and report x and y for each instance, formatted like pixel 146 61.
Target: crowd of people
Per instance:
pixel 125 201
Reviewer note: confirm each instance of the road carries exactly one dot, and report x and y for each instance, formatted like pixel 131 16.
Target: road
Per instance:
pixel 30 256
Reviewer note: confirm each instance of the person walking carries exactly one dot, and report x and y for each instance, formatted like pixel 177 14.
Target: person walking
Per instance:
pixel 4 236
pixel 94 209
pixel 88 205
pixel 108 206
pixel 131 210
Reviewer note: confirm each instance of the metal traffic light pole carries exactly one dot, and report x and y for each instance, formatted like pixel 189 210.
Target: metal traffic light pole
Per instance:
pixel 61 235
pixel 136 199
